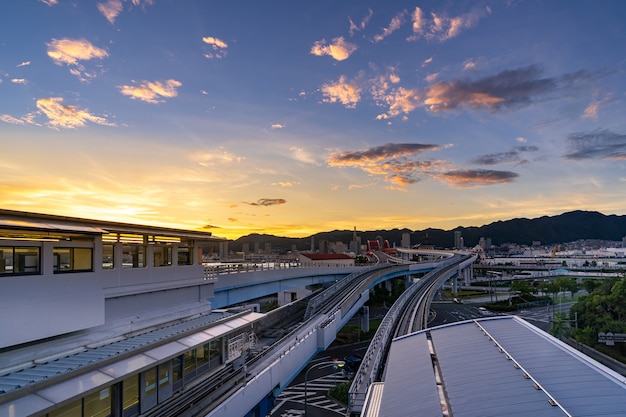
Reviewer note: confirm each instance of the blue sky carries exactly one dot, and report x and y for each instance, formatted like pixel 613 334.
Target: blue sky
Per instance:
pixel 292 118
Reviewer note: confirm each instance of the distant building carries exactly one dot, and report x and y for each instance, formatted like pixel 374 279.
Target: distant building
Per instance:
pixel 624 242
pixel 325 259
pixel 340 247
pixel 458 239
pixel 406 240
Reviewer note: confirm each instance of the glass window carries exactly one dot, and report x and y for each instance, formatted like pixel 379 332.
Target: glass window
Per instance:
pixel 164 375
pixel 73 409
pixel 130 395
pixel 177 368
pixel 107 256
pixel 189 360
pixel 73 259
pixel 202 355
pixel 133 256
pixel 19 260
pixel 83 259
pixel 162 256
pixel 184 255
pixel 98 404
pixel 215 349
pixel 150 380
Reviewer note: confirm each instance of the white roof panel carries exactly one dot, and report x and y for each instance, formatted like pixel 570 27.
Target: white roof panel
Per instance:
pixel 494 373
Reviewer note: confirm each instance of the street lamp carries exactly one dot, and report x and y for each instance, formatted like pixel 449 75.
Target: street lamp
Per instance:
pixel 335 363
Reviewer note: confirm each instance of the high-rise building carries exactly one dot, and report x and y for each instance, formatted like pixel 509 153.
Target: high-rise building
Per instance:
pixel 458 239
pixel 406 240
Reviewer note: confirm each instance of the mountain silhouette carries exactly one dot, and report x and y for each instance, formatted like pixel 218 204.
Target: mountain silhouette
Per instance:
pixel 548 230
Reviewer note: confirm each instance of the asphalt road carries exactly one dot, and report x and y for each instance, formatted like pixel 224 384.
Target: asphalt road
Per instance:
pixel 321 377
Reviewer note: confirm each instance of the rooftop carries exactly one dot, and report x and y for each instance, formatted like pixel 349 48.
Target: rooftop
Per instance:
pixel 493 367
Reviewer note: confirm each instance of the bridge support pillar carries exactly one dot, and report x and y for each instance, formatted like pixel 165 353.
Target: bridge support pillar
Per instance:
pixel 365 319
pixel 388 286
pixel 407 281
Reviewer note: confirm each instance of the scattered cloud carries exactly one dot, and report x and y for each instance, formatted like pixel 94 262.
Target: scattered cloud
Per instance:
pixel 418 23
pixel 346 92
pixel 515 155
pixel 469 65
pixel 68 117
pixel 507 89
pixel 18 80
pixel 339 49
pixel 151 92
pixel 377 153
pixel 268 202
pixel 110 9
pixel 301 155
pixel 24 120
pixel 396 22
pixel 219 47
pixel 521 140
pixel 209 227
pixel 286 184
pixel 214 157
pixel 49 2
pixel 400 101
pixel 597 144
pixel 23 64
pixel 71 51
pixel 591 111
pixel 278 126
pixel 362 25
pixel 432 77
pixel 473 178
pixel 392 161
pixel 427 61
pixel 441 27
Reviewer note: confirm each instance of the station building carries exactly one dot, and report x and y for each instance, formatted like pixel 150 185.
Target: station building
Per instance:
pixel 104 318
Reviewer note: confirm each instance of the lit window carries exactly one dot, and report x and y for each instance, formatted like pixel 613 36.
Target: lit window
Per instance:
pixel 162 256
pixel 73 409
pixel 107 256
pixel 19 260
pixel 98 404
pixel 133 256
pixel 130 391
pixel 184 255
pixel 73 259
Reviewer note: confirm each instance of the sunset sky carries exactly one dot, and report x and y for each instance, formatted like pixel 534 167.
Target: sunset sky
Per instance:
pixel 290 117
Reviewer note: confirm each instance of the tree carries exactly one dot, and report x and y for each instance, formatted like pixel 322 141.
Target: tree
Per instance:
pixel 560 325
pixel 590 285
pixel 522 287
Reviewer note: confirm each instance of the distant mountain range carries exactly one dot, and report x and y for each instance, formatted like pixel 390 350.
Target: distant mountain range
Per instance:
pixel 548 230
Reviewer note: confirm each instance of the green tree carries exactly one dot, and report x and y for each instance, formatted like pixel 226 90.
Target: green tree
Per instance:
pixel 523 288
pixel 560 325
pixel 590 285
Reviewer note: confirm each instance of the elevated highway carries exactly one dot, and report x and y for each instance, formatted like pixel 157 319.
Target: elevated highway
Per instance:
pixel 326 314
pixel 239 383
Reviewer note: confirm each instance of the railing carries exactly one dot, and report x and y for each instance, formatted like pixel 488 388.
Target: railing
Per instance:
pixel 212 270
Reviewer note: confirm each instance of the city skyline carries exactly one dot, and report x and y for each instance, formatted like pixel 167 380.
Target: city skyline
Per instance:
pixel 296 118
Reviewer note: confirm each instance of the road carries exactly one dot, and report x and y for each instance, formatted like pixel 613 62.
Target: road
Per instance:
pixel 290 403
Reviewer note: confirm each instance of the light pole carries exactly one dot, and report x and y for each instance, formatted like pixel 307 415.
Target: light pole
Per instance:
pixel 336 364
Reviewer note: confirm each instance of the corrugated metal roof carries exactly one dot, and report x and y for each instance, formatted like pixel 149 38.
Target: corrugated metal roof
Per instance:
pixel 410 388
pixel 495 367
pixel 40 399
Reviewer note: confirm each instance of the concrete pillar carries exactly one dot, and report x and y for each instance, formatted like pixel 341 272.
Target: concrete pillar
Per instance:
pixel 365 319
